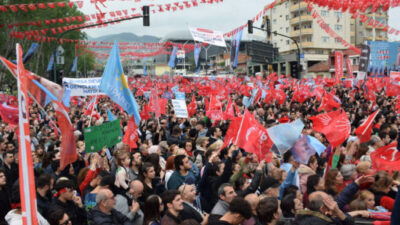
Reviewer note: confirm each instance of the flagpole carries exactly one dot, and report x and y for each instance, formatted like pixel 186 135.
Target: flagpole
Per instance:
pixel 91 112
pixel 240 128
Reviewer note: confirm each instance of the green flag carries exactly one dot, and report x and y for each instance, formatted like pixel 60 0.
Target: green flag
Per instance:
pixel 105 135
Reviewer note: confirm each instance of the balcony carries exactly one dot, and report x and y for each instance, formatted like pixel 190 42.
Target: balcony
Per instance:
pixel 376 28
pixel 304 44
pixel 295 33
pixel 304 18
pixel 296 6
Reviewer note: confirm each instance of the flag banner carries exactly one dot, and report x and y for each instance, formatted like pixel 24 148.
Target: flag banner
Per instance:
pixel 30 53
pixel 50 65
pixel 334 125
pixel 180 95
pixel 68 152
pixel 172 58
pixel 302 150
pixel 197 50
pixel 338 66
pixel 110 116
pixel 394 75
pixel 105 135
pixel 364 131
pixel 38 87
pixel 180 108
pixel 316 144
pixel 285 135
pixel 114 84
pixel 144 66
pixel 349 67
pixel 74 64
pixel 131 134
pixel 361 76
pixel 208 36
pixel 382 55
pixel 235 49
pixel 9 113
pixel 386 158
pixel 26 176
pixel 83 86
pixel 180 54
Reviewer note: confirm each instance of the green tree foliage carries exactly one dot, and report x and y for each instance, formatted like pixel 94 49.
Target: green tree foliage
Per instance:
pixel 38 64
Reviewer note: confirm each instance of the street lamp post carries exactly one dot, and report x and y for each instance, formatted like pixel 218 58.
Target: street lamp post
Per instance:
pixel 146 22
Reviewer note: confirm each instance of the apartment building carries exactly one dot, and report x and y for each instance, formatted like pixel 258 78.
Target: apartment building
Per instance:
pixel 291 18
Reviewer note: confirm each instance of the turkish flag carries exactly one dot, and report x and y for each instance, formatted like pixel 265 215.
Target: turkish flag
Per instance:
pixel 229 112
pixel 68 152
pixel 9 114
pixel 192 107
pixel 334 125
pixel 393 89
pixel 363 132
pixel 386 158
pixel 131 134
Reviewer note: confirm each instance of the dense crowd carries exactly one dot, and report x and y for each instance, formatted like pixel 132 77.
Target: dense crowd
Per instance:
pixel 180 174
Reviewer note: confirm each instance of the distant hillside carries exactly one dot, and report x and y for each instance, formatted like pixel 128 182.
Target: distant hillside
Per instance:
pixel 126 37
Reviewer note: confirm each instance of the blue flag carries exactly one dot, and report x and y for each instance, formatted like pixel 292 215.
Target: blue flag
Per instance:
pixel 67 96
pixel 144 66
pixel 115 85
pixel 197 50
pixel 110 116
pixel 235 49
pixel 285 135
pixel 50 65
pixel 74 64
pixel 173 57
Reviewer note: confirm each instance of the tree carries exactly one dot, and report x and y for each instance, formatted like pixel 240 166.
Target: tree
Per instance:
pixel 38 64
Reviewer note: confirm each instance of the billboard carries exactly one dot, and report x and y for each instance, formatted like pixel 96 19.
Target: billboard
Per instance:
pixel 384 56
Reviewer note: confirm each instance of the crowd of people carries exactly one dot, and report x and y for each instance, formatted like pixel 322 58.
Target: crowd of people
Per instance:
pixel 179 174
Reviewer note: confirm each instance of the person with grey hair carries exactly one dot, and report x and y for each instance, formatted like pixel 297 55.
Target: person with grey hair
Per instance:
pixel 349 173
pixel 128 205
pixel 104 212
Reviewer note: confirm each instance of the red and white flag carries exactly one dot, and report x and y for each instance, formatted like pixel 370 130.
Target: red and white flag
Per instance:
pixel 9 114
pixel 68 152
pixel 364 131
pixel 26 177
pixel 131 134
pixel 334 125
pixel 192 107
pixel 386 158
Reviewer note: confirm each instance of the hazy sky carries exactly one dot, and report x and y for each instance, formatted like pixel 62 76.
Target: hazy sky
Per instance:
pixel 223 16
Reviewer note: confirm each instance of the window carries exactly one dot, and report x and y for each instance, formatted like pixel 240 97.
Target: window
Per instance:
pixel 338 14
pixel 324 13
pixel 286 4
pixel 319 51
pixel 338 27
pixel 325 39
pixel 275 45
pixel 274 21
pixel 287 42
pixel 287 17
pixel 337 40
pixel 309 39
pixel 274 10
pixel 287 29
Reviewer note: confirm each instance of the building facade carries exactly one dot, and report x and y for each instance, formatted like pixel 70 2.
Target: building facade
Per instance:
pixel 292 18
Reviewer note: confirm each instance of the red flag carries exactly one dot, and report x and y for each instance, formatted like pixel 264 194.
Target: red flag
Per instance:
pixel 144 114
pixel 68 152
pixel 163 105
pixel 9 114
pixel 329 102
pixel 363 132
pixel 27 180
pixel 334 125
pixel 232 131
pixel 386 158
pixel 229 112
pixel 155 103
pixel 252 136
pixel 131 134
pixel 192 107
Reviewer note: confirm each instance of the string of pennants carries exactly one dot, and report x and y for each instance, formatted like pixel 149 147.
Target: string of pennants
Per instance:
pixel 34 6
pixel 375 24
pixel 357 6
pixel 324 26
pixel 138 45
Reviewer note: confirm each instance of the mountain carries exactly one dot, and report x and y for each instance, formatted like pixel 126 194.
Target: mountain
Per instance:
pixel 126 37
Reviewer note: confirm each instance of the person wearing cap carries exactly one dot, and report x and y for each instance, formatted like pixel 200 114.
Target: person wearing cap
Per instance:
pixel 66 199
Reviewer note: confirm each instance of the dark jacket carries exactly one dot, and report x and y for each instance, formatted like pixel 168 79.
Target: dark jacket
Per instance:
pixel 189 212
pixel 308 217
pixel 347 194
pixel 97 217
pixel 395 219
pixel 169 219
pixel 76 215
pixel 43 205
pixel 4 203
pixel 11 174
pixel 255 182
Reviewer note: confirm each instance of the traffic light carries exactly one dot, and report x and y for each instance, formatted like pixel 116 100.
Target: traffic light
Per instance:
pixel 268 24
pixel 250 26
pixel 146 16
